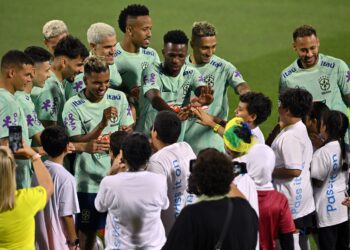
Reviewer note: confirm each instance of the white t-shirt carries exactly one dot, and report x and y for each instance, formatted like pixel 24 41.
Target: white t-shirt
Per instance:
pixel 134 201
pixel 246 185
pixel 49 230
pixel 293 150
pixel 326 167
pixel 173 161
pixel 259 135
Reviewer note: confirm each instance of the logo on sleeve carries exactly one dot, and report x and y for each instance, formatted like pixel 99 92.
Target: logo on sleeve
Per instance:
pixel 150 79
pixel 129 111
pixel 238 74
pixel 324 84
pixel 348 76
pixel 78 86
pixel 7 122
pixel 46 105
pixel 70 121
pixel 30 121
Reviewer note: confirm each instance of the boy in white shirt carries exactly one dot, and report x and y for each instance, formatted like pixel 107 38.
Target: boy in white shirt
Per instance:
pixel 172 160
pixel 293 150
pixel 55 226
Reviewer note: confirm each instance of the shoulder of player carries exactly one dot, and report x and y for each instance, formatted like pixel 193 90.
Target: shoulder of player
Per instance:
pixel 330 61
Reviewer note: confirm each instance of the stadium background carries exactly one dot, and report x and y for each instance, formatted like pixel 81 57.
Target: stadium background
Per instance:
pixel 254 35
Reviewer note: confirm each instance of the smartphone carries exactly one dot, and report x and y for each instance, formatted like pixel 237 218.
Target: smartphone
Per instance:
pixel 15 138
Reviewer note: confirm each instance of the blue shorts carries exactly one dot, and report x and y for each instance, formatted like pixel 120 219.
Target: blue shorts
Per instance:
pixel 89 218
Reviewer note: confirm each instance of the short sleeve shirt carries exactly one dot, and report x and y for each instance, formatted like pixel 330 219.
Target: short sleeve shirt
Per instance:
pixel 175 91
pixel 17 225
pixel 50 102
pixel 80 117
pixel 293 150
pixel 219 75
pixel 326 166
pixel 131 65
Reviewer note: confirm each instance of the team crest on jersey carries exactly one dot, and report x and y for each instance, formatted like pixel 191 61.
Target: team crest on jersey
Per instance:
pixel 185 87
pixel 209 80
pixel 144 65
pixel 324 83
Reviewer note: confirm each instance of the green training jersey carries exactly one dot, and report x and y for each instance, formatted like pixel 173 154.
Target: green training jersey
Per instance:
pixel 35 93
pixel 175 91
pixel 131 65
pixel 33 123
pixel 219 75
pixel 80 117
pixel 71 89
pixel 12 114
pixel 328 81
pixel 50 102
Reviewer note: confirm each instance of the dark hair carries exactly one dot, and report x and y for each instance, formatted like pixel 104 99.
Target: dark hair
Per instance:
pixel 136 150
pixel 304 30
pixel 212 173
pixel 38 54
pixel 318 111
pixel 337 124
pixel 175 37
pixel 54 140
pixel 258 104
pixel 244 132
pixel 15 58
pixel 298 101
pixel 116 141
pixel 71 47
pixel 133 10
pixel 168 126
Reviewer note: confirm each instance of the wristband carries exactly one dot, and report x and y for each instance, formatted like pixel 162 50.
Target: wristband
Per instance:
pixel 35 157
pixel 73 243
pixel 216 128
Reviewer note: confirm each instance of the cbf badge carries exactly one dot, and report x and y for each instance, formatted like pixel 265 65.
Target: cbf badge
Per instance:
pixel 209 80
pixel 324 83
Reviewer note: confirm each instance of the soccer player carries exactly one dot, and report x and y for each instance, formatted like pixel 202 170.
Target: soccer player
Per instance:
pixel 94 113
pixel 132 54
pixel 54 31
pixel 16 72
pixel 293 150
pixel 67 63
pixel 102 40
pixel 55 227
pixel 325 77
pixel 41 59
pixel 172 160
pixel 219 75
pixel 168 85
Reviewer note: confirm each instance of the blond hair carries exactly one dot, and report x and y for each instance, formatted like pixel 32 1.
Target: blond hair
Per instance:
pixel 95 64
pixel 8 179
pixel 54 28
pixel 99 31
pixel 202 29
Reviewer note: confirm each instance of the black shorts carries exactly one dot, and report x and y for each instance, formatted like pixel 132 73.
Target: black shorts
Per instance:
pixel 89 218
pixel 305 223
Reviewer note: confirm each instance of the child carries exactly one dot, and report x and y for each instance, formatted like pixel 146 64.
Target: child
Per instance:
pixel 329 173
pixel 55 227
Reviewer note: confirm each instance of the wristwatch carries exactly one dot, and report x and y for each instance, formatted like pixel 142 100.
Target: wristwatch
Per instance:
pixel 73 243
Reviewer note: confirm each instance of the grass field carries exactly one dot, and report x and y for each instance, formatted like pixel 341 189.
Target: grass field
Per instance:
pixel 254 35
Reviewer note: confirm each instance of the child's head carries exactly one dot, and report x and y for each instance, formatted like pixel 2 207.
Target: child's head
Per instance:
pixel 315 117
pixel 254 108
pixel 166 127
pixel 238 138
pixel 260 164
pixel 115 142
pixel 54 141
pixel 294 103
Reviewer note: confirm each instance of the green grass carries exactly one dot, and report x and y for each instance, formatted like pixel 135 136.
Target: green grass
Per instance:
pixel 254 35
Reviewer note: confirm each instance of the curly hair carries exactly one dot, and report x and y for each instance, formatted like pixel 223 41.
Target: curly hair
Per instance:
pixel 298 101
pixel 212 173
pixel 133 10
pixel 203 29
pixel 304 30
pixel 175 37
pixel 95 64
pixel 136 150
pixel 258 104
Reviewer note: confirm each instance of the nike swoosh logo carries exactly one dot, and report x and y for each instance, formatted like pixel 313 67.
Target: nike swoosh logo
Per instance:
pixel 87 121
pixel 123 73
